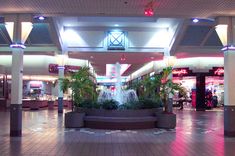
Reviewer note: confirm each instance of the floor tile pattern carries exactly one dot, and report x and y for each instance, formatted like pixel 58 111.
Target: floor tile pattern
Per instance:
pixel 196 134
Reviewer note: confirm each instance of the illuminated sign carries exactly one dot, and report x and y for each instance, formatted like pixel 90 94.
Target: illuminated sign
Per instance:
pixel 53 68
pixel 35 84
pixel 180 72
pixel 219 71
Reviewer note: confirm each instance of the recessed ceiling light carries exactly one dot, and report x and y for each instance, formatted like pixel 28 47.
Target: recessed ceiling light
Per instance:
pixel 116 25
pixel 41 18
pixel 195 20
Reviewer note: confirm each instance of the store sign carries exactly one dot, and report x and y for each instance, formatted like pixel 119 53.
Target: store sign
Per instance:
pixel 53 68
pixel 219 71
pixel 180 72
pixel 35 84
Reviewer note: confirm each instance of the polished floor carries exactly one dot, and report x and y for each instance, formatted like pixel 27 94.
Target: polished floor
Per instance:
pixel 196 134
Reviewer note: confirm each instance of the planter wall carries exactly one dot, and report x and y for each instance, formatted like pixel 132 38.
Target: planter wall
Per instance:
pixel 165 120
pixel 74 120
pixel 120 119
pixel 120 113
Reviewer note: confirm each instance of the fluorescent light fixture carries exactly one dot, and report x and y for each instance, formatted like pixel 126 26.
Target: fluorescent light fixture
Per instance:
pixel 222 31
pixel 10 29
pixel 17 45
pixel 26 28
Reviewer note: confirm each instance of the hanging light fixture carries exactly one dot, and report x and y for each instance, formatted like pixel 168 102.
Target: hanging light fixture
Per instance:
pixel 148 10
pixel 123 58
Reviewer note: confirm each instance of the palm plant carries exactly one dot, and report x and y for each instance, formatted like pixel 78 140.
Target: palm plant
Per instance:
pixel 81 85
pixel 168 87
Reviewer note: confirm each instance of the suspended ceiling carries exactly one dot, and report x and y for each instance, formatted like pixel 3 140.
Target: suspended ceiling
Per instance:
pixel 193 39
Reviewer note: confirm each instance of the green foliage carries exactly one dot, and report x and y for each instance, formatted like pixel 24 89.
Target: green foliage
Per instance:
pixel 149 84
pixel 157 88
pixel 144 103
pixel 168 86
pixel 148 103
pixel 81 85
pixel 131 105
pixel 110 105
pixel 88 103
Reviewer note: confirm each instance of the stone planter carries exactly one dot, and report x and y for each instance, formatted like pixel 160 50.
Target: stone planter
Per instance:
pixel 120 119
pixel 120 113
pixel 166 120
pixel 74 120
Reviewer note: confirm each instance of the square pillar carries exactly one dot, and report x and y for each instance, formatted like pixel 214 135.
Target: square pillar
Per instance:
pixel 16 92
pixel 229 93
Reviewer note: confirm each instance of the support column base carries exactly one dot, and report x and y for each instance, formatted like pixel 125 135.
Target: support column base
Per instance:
pixel 60 104
pixel 16 120
pixel 229 121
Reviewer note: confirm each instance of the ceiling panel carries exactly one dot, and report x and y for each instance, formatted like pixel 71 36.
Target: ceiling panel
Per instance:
pixel 162 8
pixel 40 34
pixel 4 37
pixel 194 35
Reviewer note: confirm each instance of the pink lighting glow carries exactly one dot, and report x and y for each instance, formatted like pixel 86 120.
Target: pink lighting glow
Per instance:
pixel 148 12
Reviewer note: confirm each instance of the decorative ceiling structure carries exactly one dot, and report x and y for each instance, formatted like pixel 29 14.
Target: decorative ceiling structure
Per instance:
pixel 188 40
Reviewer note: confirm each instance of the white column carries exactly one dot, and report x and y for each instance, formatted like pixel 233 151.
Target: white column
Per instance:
pixel 229 78
pixel 16 92
pixel 229 93
pixel 18 27
pixel 17 76
pixel 60 91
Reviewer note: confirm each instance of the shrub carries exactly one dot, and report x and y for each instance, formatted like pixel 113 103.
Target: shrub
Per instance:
pixel 88 103
pixel 148 103
pixel 131 105
pixel 109 104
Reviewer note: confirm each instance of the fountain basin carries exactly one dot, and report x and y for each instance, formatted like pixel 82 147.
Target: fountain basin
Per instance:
pixel 120 119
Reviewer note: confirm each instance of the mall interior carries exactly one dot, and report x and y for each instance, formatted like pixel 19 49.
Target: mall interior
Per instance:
pixel 121 42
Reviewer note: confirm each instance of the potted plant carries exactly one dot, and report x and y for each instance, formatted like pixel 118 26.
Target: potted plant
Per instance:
pixel 167 119
pixel 82 89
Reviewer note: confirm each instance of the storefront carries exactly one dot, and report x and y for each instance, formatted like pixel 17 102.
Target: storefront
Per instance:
pixel 205 90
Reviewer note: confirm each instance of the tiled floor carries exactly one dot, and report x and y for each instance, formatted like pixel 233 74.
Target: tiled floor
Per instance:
pixel 196 134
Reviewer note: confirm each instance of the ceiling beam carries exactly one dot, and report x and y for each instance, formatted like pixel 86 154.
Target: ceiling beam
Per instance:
pixel 179 34
pixel 54 33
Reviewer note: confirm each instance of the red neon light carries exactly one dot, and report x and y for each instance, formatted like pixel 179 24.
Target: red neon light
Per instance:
pixel 148 12
pixel 219 71
pixel 179 72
